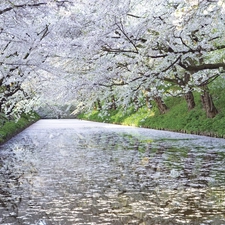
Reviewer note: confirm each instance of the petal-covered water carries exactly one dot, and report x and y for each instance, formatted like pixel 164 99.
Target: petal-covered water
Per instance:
pixel 74 172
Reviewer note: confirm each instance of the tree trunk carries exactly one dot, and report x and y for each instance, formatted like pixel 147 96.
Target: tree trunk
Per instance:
pixel 189 97
pixel 208 104
pixel 148 102
pixel 161 105
pixel 135 102
pixel 97 105
pixel 147 98
pixel 113 103
pixel 1 103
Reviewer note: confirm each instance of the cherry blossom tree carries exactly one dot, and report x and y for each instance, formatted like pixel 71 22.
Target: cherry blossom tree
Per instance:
pixel 24 28
pixel 110 54
pixel 178 44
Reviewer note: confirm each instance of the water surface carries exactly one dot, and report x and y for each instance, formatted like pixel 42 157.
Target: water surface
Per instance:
pixel 75 172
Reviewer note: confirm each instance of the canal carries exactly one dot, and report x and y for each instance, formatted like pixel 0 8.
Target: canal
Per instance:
pixel 66 172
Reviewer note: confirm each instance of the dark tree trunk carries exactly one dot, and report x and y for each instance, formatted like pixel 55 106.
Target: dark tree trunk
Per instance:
pixel 113 103
pixel 147 98
pixel 1 103
pixel 208 104
pixel 135 102
pixel 97 105
pixel 189 97
pixel 3 100
pixel 148 102
pixel 161 105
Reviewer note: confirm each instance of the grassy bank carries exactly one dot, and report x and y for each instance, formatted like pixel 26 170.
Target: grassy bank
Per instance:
pixel 178 118
pixel 9 128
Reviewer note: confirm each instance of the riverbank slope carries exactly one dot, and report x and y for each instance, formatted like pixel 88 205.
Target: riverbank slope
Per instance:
pixel 177 118
pixel 9 128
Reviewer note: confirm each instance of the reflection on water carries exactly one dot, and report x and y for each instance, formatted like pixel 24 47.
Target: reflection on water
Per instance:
pixel 111 178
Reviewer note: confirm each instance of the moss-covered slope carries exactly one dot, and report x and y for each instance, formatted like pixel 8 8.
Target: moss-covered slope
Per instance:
pixel 9 128
pixel 177 118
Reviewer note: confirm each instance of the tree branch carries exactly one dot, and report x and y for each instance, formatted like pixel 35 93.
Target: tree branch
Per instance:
pixel 172 64
pixel 128 38
pixel 21 6
pixel 132 15
pixel 195 68
pixel 44 32
pixel 117 50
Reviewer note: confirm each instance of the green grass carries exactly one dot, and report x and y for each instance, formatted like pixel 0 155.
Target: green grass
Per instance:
pixel 178 118
pixel 9 128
